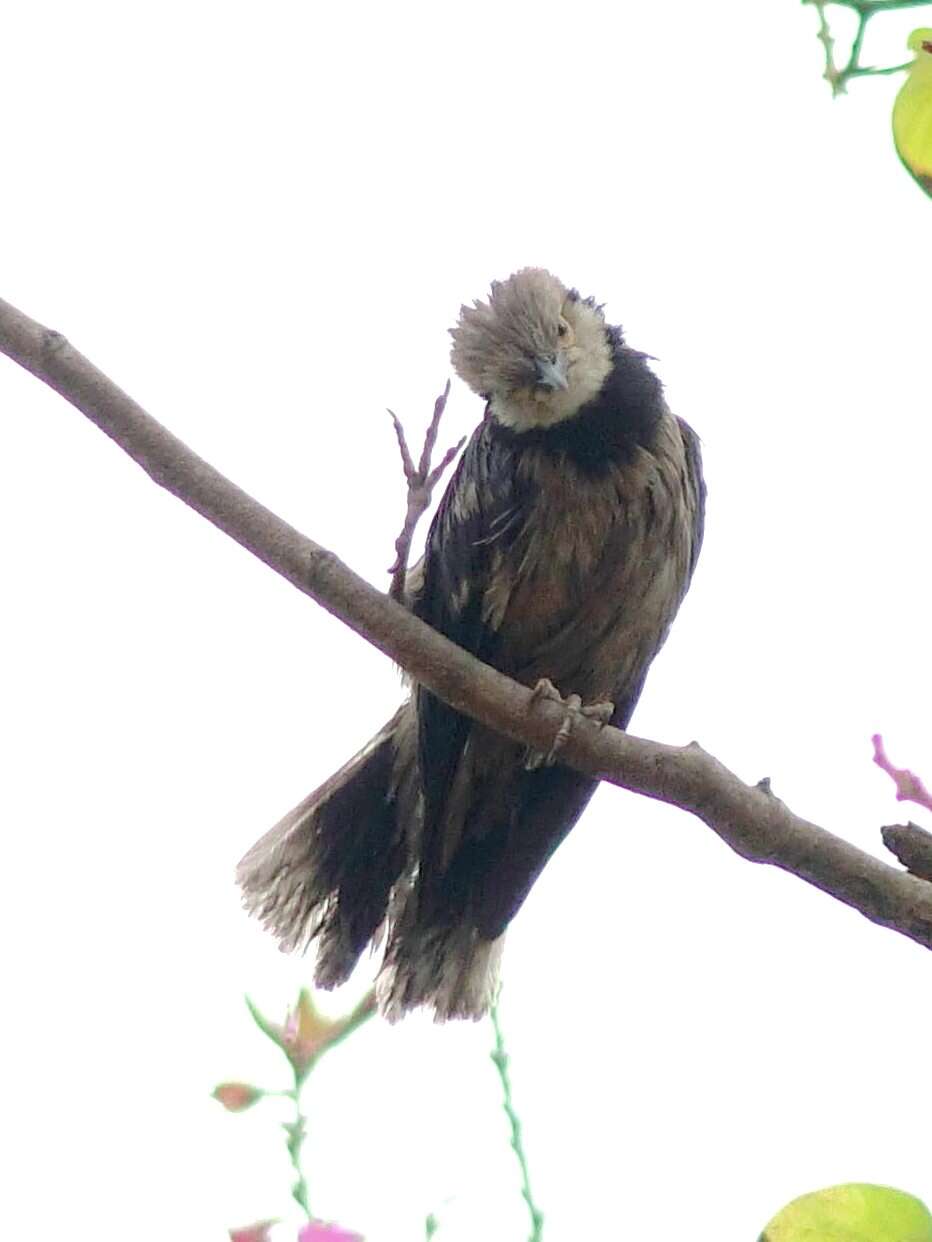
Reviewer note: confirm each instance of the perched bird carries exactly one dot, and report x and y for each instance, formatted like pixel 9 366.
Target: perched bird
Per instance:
pixel 559 554
pixel 912 112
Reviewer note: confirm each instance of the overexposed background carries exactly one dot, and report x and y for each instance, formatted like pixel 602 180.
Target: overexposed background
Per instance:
pixel 260 221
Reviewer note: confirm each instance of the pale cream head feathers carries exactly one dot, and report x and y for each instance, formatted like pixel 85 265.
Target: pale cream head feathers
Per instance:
pixel 534 350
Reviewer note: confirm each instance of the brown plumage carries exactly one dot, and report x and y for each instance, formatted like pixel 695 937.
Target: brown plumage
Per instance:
pixel 562 549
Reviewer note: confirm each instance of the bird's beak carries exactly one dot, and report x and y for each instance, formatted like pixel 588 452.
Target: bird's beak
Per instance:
pixel 551 372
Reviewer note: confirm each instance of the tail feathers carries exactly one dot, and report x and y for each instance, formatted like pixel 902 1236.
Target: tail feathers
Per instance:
pixel 337 869
pixel 449 969
pixel 325 872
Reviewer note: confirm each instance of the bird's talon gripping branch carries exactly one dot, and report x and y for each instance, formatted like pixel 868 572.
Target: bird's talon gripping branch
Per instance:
pixel 545 689
pixel 600 713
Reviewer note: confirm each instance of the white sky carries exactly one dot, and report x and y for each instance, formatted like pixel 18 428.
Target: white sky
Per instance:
pixel 261 220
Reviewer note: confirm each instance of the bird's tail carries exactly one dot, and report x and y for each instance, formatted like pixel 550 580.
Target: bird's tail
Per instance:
pixel 325 872
pixel 344 864
pixel 448 968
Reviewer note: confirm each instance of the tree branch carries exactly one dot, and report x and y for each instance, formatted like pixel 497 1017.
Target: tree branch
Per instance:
pixel 913 847
pixel 750 819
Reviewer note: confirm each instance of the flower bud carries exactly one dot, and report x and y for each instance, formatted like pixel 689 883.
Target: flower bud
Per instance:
pixel 237 1096
pixel 253 1233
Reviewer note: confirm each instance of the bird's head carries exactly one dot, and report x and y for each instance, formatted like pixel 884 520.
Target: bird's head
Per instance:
pixel 535 350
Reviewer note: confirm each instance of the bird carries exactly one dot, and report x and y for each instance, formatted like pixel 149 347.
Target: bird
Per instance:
pixel 559 554
pixel 912 112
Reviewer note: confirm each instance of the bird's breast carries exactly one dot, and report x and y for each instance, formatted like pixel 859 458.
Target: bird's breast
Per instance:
pixel 586 590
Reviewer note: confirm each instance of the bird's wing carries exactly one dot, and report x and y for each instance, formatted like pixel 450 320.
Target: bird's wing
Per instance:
pixel 491 861
pixel 550 800
pixel 480 511
pixel 693 480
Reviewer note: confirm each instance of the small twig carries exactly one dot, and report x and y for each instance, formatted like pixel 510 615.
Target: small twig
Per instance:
pixel 837 78
pixel 913 847
pixel 421 480
pixel 500 1060
pixel 828 44
pixel 909 788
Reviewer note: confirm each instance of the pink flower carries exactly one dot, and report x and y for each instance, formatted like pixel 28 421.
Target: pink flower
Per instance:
pixel 253 1233
pixel 319 1231
pixel 236 1096
pixel 307 1032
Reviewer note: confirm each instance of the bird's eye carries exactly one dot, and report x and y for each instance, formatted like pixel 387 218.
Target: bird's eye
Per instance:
pixel 562 327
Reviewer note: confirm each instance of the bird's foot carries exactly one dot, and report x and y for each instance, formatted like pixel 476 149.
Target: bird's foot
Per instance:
pixel 601 713
pixel 421 480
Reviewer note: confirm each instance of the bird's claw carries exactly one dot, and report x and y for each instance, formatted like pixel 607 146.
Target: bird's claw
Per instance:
pixel 601 713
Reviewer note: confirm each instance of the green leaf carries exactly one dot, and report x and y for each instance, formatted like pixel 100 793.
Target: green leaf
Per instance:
pixel 273 1031
pixel 852 1213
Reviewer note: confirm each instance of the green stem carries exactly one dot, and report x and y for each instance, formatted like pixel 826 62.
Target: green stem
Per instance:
pixel 864 17
pixel 302 1061
pixel 297 1129
pixel 872 6
pixel 500 1060
pixel 884 6
pixel 864 72
pixel 296 1132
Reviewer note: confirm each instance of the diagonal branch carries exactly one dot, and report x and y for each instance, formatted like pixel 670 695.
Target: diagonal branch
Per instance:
pixel 749 818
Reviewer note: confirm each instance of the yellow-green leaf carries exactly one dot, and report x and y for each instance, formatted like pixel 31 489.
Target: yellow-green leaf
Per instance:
pixel 912 112
pixel 852 1213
